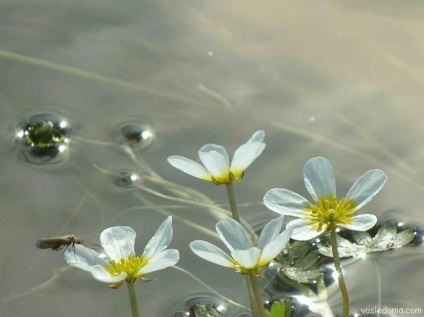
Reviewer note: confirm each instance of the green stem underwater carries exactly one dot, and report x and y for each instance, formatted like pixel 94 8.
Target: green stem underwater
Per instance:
pixel 252 299
pixel 258 295
pixel 133 300
pixel 342 284
pixel 233 205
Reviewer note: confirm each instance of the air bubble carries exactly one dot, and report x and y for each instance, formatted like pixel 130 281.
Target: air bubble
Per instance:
pixel 135 134
pixel 127 179
pixel 44 137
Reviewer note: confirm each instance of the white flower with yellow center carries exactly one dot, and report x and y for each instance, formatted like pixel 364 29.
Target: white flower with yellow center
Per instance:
pixel 119 263
pixel 216 166
pixel 246 258
pixel 327 212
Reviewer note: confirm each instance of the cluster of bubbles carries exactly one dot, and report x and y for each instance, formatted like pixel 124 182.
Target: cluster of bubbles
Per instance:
pixel 44 137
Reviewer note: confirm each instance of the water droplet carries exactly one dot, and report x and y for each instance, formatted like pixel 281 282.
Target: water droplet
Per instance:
pixel 44 137
pixel 135 134
pixel 127 179
pixel 390 245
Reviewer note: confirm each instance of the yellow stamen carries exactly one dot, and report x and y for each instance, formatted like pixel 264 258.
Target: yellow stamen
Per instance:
pixel 130 265
pixel 228 177
pixel 329 212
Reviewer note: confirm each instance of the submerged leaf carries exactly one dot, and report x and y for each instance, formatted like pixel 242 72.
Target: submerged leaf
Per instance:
pixel 386 238
pixel 300 262
pixel 278 309
pixel 202 310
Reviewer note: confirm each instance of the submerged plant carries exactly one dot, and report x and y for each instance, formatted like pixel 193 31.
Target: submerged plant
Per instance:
pixel 119 263
pixel 327 212
pixel 387 238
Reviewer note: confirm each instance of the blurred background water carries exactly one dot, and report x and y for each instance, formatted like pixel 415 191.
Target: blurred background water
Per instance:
pixel 137 81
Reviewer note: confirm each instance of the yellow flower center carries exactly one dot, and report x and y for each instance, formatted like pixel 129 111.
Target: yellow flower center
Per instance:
pixel 330 212
pixel 130 265
pixel 257 270
pixel 228 177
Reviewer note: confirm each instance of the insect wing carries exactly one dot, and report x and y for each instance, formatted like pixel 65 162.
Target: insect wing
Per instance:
pixel 58 242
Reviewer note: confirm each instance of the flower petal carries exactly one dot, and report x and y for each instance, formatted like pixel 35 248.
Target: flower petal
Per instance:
pixel 160 240
pixel 272 249
pixel 118 242
pixel 285 202
pixel 366 187
pixel 190 167
pixel 302 230
pixel 361 222
pixel 247 258
pixel 82 257
pixel 258 136
pixel 270 231
pixel 246 154
pixel 211 253
pixel 319 178
pixel 215 159
pixel 233 234
pixel 161 261
pixel 100 273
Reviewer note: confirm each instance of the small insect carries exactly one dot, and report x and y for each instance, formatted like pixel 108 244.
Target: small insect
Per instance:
pixel 58 243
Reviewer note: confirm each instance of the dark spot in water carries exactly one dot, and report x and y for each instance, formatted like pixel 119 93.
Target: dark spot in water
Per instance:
pixel 135 134
pixel 44 137
pixel 127 179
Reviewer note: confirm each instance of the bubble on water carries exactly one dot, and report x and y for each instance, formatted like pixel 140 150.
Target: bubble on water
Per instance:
pixel 205 304
pixel 135 134
pixel 127 179
pixel 44 137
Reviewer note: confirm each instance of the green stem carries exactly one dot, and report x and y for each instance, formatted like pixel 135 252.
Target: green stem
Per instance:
pixel 258 295
pixel 233 205
pixel 253 304
pixel 133 300
pixel 342 284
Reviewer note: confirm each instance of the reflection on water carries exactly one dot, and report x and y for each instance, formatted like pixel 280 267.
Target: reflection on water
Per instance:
pixel 141 81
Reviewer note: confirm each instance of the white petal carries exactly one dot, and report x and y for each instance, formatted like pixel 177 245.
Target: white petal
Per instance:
pixel 118 242
pixel 246 154
pixel 233 234
pixel 189 166
pixel 160 240
pixel 215 159
pixel 161 261
pixel 211 253
pixel 285 202
pixel 361 223
pixel 366 187
pixel 82 257
pixel 102 275
pixel 270 231
pixel 258 136
pixel 302 230
pixel 319 178
pixel 247 258
pixel 272 249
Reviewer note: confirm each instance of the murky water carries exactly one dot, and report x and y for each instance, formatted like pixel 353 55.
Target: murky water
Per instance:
pixel 136 82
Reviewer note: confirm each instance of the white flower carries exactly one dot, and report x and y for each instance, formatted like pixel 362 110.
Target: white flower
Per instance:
pixel 245 257
pixel 327 213
pixel 119 263
pixel 216 164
